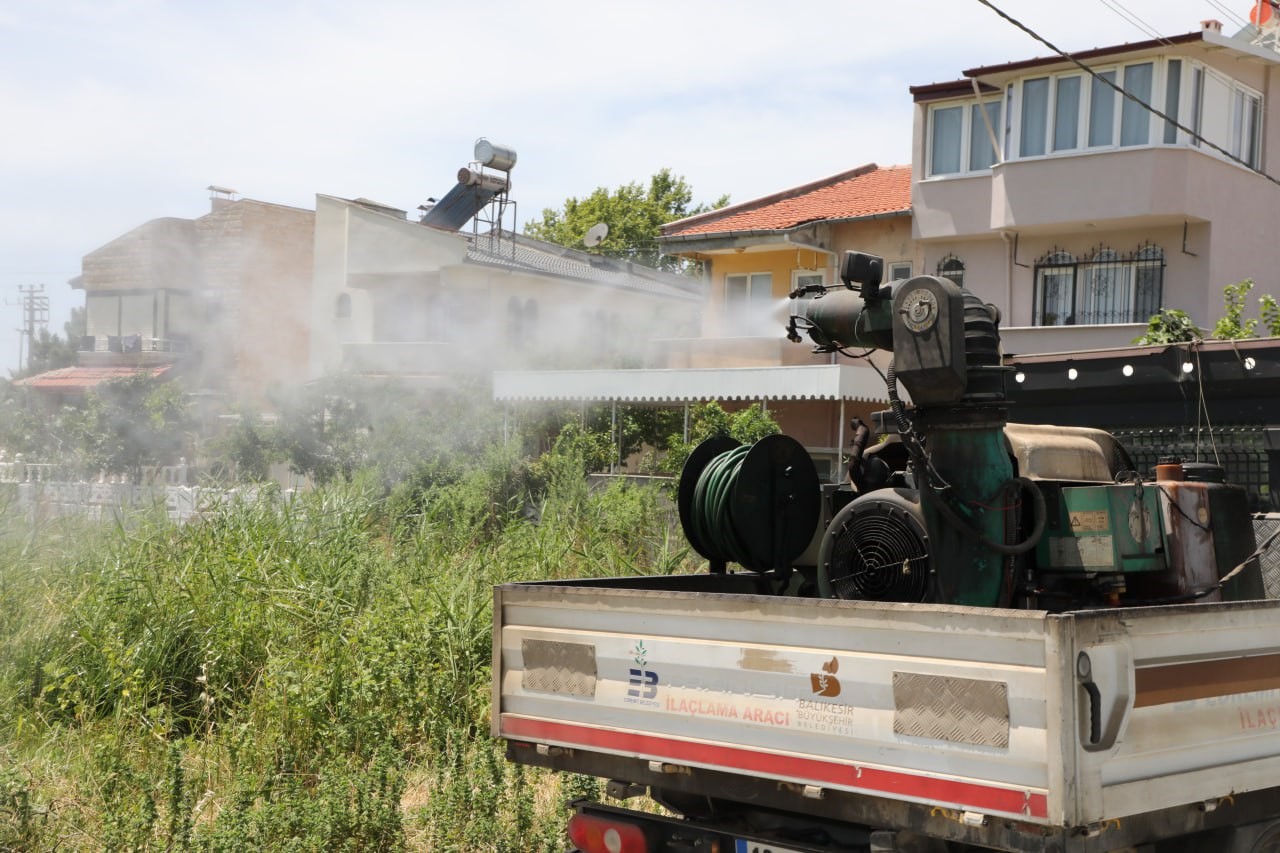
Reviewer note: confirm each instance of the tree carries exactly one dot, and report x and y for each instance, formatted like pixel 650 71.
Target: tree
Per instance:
pixel 51 351
pixel 634 213
pixel 747 425
pixel 129 423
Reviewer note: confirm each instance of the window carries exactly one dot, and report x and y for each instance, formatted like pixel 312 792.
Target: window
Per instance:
pixel 342 306
pixel 958 137
pixel 1103 288
pixel 1148 282
pixel 1055 288
pixel 1135 118
pixel 899 270
pixel 1035 115
pixel 522 322
pixel 748 298
pixel 1066 115
pixel 1062 113
pixel 806 278
pixel 946 140
pixel 1226 114
pixel 1102 109
pixel 981 153
pixel 1106 289
pixel 1077 112
pixel 953 268
pixel 1172 94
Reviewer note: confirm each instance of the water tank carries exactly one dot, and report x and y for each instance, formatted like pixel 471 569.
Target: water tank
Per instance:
pixel 495 156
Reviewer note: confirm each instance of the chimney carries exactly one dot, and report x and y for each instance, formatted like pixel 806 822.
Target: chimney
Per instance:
pixel 219 197
pixel 1211 26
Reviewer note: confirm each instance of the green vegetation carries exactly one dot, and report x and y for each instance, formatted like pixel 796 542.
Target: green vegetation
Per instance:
pixel 634 213
pixel 303 672
pixel 1172 326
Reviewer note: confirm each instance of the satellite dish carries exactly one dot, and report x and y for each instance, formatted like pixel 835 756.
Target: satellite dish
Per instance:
pixel 595 234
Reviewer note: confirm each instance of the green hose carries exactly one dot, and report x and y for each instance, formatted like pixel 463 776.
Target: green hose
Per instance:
pixel 710 516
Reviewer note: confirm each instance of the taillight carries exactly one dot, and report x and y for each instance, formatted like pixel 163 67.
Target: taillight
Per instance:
pixel 595 834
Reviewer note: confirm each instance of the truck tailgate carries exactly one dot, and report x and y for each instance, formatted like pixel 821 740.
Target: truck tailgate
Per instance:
pixel 1059 720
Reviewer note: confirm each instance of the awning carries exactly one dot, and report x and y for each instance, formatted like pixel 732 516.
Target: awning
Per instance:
pixel 803 382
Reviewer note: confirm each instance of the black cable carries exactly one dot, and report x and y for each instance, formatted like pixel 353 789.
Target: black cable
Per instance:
pixel 1039 510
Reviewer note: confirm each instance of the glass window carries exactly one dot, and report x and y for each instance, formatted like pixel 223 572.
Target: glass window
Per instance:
pixel 1066 114
pixel 1135 118
pixel 1104 288
pixel 899 270
pixel 1244 126
pixel 806 278
pixel 1102 109
pixel 945 140
pixel 1172 93
pixel 1056 284
pixel 953 268
pixel 748 297
pixel 981 155
pixel 1035 115
pixel 1105 298
pixel 1197 102
pixel 102 314
pixel 1148 282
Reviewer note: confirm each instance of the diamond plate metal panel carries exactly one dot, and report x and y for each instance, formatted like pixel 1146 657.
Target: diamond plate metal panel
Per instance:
pixel 1264 526
pixel 558 667
pixel 964 710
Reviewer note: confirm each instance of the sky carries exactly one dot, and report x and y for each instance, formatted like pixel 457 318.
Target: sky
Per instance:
pixel 116 112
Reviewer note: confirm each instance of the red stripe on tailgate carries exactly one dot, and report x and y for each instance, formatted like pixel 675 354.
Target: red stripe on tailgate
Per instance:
pixel 968 795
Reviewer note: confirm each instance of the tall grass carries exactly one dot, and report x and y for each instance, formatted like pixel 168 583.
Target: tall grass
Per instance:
pixel 291 673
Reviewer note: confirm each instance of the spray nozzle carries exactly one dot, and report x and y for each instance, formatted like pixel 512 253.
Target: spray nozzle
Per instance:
pixel 816 290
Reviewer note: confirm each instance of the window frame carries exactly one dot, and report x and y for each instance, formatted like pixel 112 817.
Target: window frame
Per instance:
pixel 797 275
pixel 739 311
pixel 892 270
pixel 1054 263
pixel 1085 116
pixel 1138 277
pixel 951 268
pixel 967 131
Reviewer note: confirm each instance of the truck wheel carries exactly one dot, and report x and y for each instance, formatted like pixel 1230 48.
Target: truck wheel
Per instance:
pixel 1262 837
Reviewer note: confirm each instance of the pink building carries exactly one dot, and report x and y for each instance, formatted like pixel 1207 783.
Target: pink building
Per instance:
pixel 1053 189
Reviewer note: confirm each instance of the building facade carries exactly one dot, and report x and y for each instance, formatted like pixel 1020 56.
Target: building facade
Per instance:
pixel 222 297
pixel 1052 188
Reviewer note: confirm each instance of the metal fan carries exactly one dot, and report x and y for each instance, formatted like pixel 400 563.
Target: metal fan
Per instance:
pixel 877 549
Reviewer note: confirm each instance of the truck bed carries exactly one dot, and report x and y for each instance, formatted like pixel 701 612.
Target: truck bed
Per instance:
pixel 1040 723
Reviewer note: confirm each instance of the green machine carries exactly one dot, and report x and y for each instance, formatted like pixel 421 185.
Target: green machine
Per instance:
pixel 955 504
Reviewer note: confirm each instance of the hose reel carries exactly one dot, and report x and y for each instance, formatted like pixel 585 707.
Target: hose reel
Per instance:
pixel 756 505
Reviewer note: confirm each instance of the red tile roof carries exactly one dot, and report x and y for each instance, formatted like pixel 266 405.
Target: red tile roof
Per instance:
pixel 84 378
pixel 866 191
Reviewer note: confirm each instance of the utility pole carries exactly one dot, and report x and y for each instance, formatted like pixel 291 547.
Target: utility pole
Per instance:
pixel 35 312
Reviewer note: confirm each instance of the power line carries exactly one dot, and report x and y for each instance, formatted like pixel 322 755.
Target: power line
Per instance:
pixel 1128 95
pixel 1119 8
pixel 1226 12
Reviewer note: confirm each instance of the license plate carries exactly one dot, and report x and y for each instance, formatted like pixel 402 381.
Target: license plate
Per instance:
pixel 744 846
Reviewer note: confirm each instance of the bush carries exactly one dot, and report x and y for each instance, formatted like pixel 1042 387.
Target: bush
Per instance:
pixel 295 673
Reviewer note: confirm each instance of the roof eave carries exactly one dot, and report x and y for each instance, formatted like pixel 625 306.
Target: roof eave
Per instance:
pixel 733 239
pixel 763 201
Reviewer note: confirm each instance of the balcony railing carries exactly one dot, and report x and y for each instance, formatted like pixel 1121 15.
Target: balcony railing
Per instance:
pixel 133 344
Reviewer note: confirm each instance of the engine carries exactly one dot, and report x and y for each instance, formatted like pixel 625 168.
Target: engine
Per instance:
pixel 944 500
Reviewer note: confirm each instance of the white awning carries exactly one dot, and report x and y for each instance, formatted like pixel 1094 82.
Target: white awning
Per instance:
pixel 853 382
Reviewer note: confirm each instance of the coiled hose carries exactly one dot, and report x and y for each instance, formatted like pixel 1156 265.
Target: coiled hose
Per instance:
pixel 709 514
